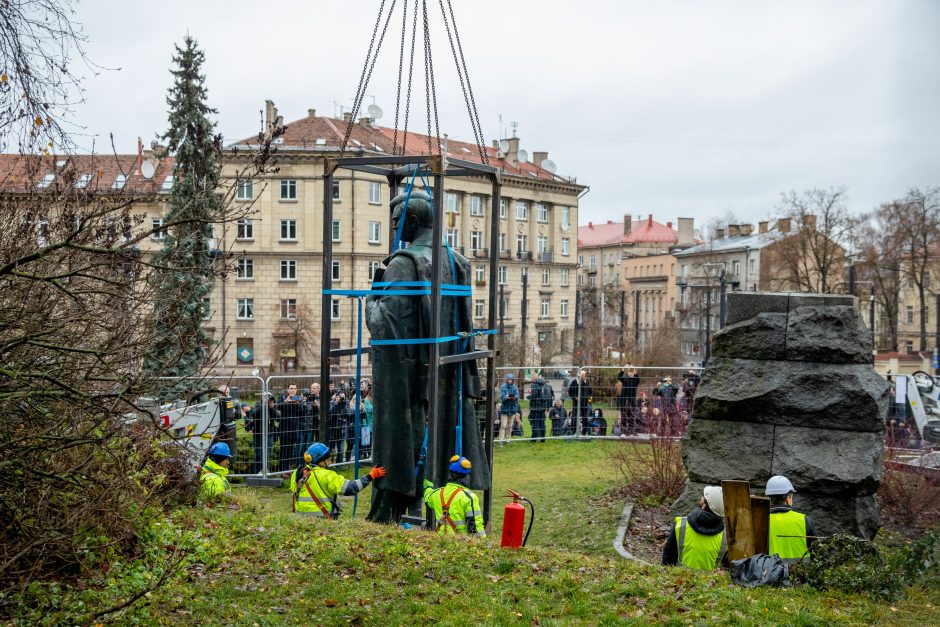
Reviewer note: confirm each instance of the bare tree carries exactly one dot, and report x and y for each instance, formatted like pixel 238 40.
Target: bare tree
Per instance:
pixel 296 330
pixel 880 264
pixel 812 258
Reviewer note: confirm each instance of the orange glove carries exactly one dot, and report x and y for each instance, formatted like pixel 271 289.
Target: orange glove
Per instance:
pixel 377 473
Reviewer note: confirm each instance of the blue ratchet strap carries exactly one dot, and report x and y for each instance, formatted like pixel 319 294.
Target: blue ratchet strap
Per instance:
pixel 424 453
pixel 461 347
pixel 357 421
pixel 404 211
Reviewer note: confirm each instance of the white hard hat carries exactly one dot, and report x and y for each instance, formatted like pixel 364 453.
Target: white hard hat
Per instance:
pixel 715 499
pixel 778 485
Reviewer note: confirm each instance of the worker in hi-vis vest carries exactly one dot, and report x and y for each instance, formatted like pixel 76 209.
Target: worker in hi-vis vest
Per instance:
pixel 213 471
pixel 698 540
pixel 315 487
pixel 456 509
pixel 791 533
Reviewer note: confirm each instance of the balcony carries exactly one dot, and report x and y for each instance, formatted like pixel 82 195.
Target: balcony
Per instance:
pixel 481 252
pixel 592 270
pixel 505 254
pixel 682 307
pixel 682 281
pixel 524 255
pixel 546 257
pixel 480 283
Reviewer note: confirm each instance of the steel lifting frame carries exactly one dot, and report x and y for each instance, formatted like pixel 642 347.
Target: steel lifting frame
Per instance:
pixel 395 169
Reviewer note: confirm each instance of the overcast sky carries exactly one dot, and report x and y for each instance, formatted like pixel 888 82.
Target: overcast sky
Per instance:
pixel 694 108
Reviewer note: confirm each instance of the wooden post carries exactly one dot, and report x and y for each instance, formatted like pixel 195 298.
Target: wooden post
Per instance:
pixel 760 523
pixel 738 523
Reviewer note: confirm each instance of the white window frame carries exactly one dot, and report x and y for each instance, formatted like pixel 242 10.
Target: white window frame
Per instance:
pixel 546 276
pixel 46 181
pixel 476 205
pixel 288 269
pixel 476 240
pixel 502 208
pixel 337 191
pixel 565 217
pixel 564 308
pixel 541 243
pixel 502 275
pixel 541 212
pixel 288 190
pixel 159 233
pixel 452 202
pixel 375 232
pixel 245 229
pixel 244 189
pixel 334 309
pixel 288 309
pixel 478 307
pixel 375 193
pixel 452 237
pixel 336 271
pixel 167 186
pixel 565 246
pixel 245 309
pixel 522 210
pixel 502 241
pixel 287 226
pixel 244 269
pixel 336 231
pixel 546 308
pixel 564 277
pixel 119 181
pixel 83 181
pixel 373 268
pixel 479 274
pixel 522 243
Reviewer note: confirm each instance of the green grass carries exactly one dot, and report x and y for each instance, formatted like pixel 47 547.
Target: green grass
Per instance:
pixel 255 563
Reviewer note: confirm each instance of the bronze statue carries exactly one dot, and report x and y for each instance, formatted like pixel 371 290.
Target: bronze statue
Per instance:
pixel 401 371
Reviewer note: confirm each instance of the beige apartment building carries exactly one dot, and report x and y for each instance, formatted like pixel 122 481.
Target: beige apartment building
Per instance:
pixel 909 308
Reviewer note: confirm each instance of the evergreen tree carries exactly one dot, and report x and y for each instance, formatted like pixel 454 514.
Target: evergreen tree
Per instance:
pixel 184 268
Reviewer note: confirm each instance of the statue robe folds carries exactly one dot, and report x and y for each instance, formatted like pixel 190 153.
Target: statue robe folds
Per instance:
pixel 400 375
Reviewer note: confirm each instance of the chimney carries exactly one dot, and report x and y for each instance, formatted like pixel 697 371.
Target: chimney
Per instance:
pixel 311 113
pixel 686 232
pixel 270 116
pixel 590 225
pixel 783 225
pixel 538 158
pixel 669 225
pixel 747 229
pixel 347 116
pixel 762 227
pixel 649 220
pixel 610 222
pixel 809 222
pixel 365 122
pixel 140 154
pixel 512 155
pixel 719 233
pixel 734 230
pixel 627 224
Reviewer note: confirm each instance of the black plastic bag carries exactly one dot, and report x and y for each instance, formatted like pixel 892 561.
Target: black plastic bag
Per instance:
pixel 760 570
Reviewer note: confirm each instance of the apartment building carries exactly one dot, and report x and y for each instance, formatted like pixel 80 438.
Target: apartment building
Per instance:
pixel 909 307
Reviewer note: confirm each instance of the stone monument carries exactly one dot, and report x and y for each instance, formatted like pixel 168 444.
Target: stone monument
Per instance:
pixel 790 390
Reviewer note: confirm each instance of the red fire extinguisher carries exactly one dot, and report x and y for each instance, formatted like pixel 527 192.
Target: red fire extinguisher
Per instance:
pixel 513 519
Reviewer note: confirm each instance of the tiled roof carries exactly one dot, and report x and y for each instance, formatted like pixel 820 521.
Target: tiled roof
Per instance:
pixel 737 242
pixel 326 134
pixel 23 173
pixel 646 231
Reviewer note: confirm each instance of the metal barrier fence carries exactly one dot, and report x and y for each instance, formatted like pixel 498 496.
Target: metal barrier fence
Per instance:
pixel 282 415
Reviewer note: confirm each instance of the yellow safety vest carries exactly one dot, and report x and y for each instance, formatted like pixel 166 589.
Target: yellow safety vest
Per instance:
pixel 212 478
pixel 460 504
pixel 789 523
pixel 323 483
pixel 697 550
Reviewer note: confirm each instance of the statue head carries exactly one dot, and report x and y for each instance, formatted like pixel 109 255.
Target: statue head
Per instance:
pixel 418 215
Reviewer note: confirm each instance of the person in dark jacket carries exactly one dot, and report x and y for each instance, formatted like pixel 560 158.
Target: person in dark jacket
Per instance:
pixel 557 415
pixel 254 426
pixel 581 394
pixel 540 401
pixel 626 399
pixel 338 423
pixel 698 541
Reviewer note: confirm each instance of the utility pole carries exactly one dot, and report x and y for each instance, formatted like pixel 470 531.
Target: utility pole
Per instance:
pixel 722 302
pixel 502 310
pixel 708 322
pixel 871 319
pixel 936 363
pixel 525 307
pixel 636 322
pixel 623 322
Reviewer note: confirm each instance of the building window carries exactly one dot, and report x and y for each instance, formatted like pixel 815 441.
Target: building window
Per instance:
pixel 289 230
pixel 910 314
pixel 245 229
pixel 546 308
pixel 451 235
pixel 735 268
pixel 542 243
pixel 565 246
pixel 541 212
pixel 565 217
pixel 504 311
pixel 158 231
pixel 502 241
pixel 564 277
pixel 334 309
pixel 502 207
pixel 476 240
pixel 563 308
pixel 580 279
pixel 546 276
pixel 206 308
pixel 244 190
pixel 288 189
pixel 167 184
pixel 592 282
pixel 501 275
pixel 751 265
pixel 522 210
pixel 373 267
pixel 46 181
pixel 336 190
pixel 119 182
pixel 452 203
pixel 288 270
pixel 592 263
pixel 580 260
pixel 479 274
pixel 476 206
pixel 375 229
pixel 336 271
pixel 375 193
pixel 83 181
pixel 245 351
pixel 522 242
pixel 245 308
pixel 245 268
pixel 478 309
pixel 288 308
pixel 336 232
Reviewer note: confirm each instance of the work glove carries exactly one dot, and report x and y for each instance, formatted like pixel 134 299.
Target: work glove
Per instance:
pixel 377 473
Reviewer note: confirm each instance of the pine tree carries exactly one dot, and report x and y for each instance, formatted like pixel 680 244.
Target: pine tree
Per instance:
pixel 184 274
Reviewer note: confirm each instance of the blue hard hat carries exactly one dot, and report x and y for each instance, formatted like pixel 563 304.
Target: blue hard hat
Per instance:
pixel 460 465
pixel 317 452
pixel 220 448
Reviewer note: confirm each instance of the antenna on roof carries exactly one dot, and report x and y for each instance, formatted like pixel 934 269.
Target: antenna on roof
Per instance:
pixel 549 166
pixel 522 156
pixel 375 111
pixel 514 125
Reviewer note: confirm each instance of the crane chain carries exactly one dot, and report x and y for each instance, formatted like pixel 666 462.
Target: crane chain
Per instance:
pixel 411 67
pixel 362 76
pixel 477 136
pixel 474 115
pixel 401 60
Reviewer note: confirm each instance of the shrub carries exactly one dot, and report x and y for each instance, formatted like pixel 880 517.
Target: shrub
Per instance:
pixel 653 468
